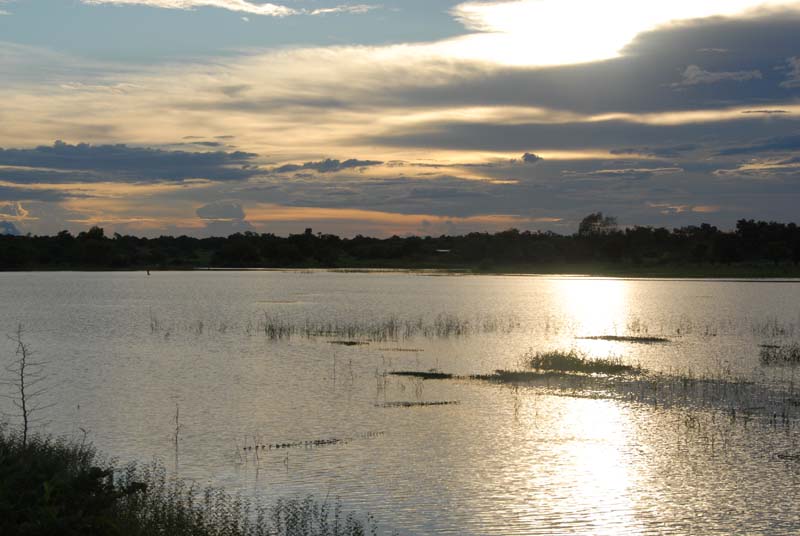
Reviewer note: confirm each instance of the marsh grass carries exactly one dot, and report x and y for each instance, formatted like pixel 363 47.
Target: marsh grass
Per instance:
pixel 772 354
pixel 347 332
pixel 572 361
pixel 172 507
pixel 56 486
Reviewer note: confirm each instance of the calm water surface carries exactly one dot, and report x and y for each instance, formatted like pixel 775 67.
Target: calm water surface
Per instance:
pixel 124 350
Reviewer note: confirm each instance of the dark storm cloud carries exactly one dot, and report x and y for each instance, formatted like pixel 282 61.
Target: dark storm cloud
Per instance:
pixel 327 166
pixel 124 163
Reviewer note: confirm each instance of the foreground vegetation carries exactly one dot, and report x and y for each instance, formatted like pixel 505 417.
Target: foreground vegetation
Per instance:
pixel 753 249
pixel 55 487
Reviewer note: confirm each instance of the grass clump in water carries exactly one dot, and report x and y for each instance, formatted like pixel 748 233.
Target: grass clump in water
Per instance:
pixel 572 361
pixel 780 355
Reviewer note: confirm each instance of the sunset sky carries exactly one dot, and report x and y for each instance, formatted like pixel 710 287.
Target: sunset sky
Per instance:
pixel 207 117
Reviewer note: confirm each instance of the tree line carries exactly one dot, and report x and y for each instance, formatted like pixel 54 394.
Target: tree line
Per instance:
pixel 598 240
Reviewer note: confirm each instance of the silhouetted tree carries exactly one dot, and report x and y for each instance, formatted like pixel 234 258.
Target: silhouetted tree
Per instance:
pixel 596 224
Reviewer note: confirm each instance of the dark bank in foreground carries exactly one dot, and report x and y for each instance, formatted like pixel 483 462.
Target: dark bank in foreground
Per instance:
pixel 752 249
pixel 59 487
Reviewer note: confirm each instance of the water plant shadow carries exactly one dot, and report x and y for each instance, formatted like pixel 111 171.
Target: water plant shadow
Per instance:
pixel 425 375
pixel 634 339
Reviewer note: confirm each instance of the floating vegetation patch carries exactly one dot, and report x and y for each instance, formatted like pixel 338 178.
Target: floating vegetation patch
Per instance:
pixel 349 343
pixel 417 404
pixel 630 338
pixel 425 375
pixel 572 361
pixel 740 399
pixel 310 443
pixel 517 376
pixel 771 354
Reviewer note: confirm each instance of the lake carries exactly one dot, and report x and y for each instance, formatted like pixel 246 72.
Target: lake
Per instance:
pixel 259 358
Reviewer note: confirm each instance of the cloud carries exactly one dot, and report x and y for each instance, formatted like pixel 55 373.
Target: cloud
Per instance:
pixel 669 151
pixel 328 165
pixel 13 211
pixel 793 75
pixel 625 173
pixel 7 227
pixel 223 218
pixel 530 158
pixel 123 163
pixel 273 10
pixel 763 169
pixel 766 112
pixel 775 144
pixel 602 31
pixel 694 75
pixel 673 209
pixel 356 9
pixel 242 6
pixel 221 211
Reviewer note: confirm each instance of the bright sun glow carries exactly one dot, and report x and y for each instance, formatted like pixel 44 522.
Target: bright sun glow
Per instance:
pixel 557 32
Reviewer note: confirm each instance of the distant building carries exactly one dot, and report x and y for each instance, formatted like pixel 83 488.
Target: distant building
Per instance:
pixel 309 231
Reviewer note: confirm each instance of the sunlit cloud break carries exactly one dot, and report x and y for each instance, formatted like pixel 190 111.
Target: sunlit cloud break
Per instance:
pixel 558 32
pixel 272 10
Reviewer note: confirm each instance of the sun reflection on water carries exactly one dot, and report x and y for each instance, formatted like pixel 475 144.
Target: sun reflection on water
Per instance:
pixel 581 468
pixel 594 307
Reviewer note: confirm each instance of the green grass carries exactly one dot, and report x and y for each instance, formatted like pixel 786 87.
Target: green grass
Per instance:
pixel 558 361
pixel 55 487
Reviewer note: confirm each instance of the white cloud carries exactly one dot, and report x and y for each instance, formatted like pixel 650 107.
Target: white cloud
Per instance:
pixel 243 6
pixel 557 32
pixel 358 9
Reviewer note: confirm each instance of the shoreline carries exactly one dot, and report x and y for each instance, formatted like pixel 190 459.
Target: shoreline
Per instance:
pixel 689 272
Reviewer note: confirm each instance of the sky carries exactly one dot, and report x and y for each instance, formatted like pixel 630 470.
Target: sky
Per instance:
pixel 426 117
